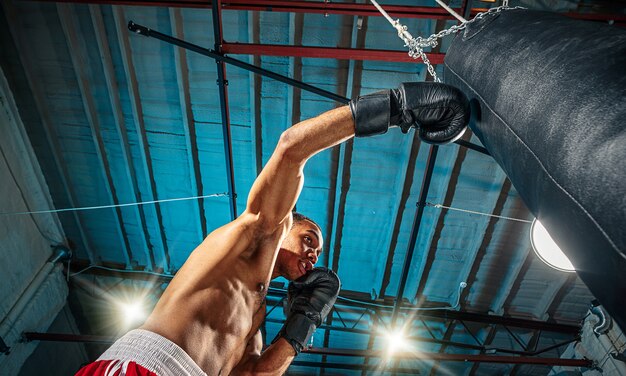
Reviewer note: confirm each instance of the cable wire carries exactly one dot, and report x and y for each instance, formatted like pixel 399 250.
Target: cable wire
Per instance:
pixel 439 206
pixel 115 206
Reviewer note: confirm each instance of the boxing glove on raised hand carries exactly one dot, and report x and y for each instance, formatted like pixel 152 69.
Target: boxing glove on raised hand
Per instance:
pixel 309 300
pixel 440 112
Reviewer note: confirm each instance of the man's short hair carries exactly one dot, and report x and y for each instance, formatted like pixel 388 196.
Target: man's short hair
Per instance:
pixel 297 218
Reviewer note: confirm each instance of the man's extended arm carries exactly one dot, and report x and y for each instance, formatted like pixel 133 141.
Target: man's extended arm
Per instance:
pixel 276 189
pixel 441 113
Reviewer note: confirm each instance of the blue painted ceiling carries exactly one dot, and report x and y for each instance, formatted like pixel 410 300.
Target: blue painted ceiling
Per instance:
pixel 81 79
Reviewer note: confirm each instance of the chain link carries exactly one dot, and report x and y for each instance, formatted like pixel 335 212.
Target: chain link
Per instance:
pixel 416 45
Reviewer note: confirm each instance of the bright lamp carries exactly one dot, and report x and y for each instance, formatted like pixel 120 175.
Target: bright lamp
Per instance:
pixel 547 250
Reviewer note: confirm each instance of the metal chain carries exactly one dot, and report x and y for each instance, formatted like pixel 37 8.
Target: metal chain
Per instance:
pixel 416 45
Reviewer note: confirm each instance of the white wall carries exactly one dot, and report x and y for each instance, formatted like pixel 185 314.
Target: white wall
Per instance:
pixel 32 292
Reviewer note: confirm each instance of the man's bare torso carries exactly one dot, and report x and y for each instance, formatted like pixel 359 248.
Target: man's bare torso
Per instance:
pixel 216 302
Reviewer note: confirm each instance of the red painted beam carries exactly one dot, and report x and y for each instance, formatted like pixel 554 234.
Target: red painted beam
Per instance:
pixel 325 52
pixel 321 7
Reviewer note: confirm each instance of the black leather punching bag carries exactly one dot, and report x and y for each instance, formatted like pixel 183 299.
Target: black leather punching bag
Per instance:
pixel 551 96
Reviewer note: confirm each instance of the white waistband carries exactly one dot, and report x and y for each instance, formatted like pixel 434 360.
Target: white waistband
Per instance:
pixel 153 352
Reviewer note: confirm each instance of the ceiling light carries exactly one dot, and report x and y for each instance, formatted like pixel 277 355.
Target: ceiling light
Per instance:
pixel 395 342
pixel 547 250
pixel 132 313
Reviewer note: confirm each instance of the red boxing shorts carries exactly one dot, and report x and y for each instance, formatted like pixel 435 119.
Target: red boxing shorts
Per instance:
pixel 143 353
pixel 114 368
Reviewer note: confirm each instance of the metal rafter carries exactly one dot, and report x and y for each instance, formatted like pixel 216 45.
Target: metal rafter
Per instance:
pixel 327 7
pixel 503 304
pixel 222 83
pixel 439 226
pixel 243 65
pixel 189 125
pixel 428 173
pixel 76 45
pixel 27 59
pixel 472 273
pixel 236 48
pixel 62 337
pixel 142 138
pixel 446 337
pixel 255 87
pixel 409 177
pixel 341 166
pixel 550 307
pixel 120 126
pixel 360 303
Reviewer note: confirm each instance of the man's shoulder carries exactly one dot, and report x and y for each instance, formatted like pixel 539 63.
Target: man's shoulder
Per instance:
pixel 256 225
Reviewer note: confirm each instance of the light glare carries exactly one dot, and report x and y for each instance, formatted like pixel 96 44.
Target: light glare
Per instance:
pixel 132 312
pixel 395 342
pixel 547 250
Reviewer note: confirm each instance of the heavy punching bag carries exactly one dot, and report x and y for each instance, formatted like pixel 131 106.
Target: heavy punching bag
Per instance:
pixel 549 95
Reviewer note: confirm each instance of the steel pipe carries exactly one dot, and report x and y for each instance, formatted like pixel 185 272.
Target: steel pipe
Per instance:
pixel 224 109
pixel 419 211
pixel 64 337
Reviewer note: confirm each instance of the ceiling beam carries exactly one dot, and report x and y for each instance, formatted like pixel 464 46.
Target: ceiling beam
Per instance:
pixel 501 304
pixel 327 7
pixel 419 211
pixel 341 166
pixel 142 138
pixel 27 60
pixel 440 224
pixel 472 272
pixel 189 125
pixel 64 337
pixel 116 270
pixel 550 306
pixel 252 68
pixel 409 177
pixel 139 29
pixel 296 50
pixel 120 126
pixel 80 62
pixel 256 82
pixel 446 337
pixel 222 83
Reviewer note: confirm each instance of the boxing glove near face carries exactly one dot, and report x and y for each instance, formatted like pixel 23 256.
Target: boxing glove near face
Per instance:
pixel 309 300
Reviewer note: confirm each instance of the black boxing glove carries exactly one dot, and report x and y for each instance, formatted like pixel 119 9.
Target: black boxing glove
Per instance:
pixel 441 112
pixel 309 300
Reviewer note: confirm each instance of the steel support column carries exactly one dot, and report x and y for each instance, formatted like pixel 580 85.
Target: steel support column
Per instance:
pixel 419 211
pixel 222 83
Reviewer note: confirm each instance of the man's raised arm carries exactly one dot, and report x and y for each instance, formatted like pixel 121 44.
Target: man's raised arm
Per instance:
pixel 441 113
pixel 276 189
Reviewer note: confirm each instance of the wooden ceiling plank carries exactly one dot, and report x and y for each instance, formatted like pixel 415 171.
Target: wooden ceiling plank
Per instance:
pixel 80 61
pixel 120 126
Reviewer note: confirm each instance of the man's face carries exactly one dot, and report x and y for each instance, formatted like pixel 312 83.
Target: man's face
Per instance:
pixel 299 251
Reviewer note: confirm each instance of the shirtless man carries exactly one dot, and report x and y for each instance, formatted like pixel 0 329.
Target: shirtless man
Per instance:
pixel 208 318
